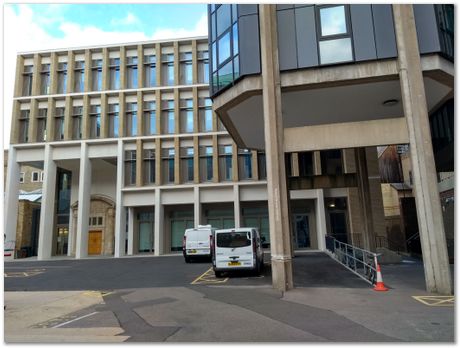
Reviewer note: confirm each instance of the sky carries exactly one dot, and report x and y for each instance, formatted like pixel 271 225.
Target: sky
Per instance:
pixel 29 27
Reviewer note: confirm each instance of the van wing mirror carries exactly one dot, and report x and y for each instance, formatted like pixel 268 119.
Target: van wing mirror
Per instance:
pixel 263 239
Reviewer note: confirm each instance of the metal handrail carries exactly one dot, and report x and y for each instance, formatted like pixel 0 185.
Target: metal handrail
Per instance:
pixel 361 262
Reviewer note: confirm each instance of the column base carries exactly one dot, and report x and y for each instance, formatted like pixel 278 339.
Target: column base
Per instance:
pixel 282 274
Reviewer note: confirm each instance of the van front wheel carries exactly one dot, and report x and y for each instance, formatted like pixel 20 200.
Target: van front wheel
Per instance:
pixel 218 274
pixel 187 259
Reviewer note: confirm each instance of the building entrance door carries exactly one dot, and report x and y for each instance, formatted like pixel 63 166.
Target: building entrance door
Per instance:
pixel 338 223
pixel 301 231
pixel 178 228
pixel 146 240
pixel 62 240
pixel 94 242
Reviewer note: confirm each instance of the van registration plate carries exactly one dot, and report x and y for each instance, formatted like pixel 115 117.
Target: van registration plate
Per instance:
pixel 234 263
pixel 192 251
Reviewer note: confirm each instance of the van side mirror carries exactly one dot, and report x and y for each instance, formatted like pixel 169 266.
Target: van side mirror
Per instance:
pixel 263 239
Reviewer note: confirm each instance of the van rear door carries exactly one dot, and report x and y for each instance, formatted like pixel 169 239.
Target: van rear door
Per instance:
pixel 234 249
pixel 197 242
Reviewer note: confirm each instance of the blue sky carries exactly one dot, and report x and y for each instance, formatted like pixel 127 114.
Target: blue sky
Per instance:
pixel 33 27
pixel 109 17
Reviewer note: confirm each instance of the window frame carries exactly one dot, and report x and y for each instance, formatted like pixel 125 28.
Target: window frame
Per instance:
pixel 322 38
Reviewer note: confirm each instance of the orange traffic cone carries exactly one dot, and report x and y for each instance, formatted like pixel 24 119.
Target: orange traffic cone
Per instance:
pixel 379 286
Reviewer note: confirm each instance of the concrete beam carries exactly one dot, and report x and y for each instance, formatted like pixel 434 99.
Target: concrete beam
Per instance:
pixel 346 135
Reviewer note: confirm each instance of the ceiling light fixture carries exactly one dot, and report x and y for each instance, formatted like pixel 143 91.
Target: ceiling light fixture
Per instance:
pixel 390 102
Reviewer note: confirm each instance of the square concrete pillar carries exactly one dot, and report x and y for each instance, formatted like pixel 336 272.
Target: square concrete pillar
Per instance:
pixel 104 116
pixel 234 162
pixel 47 212
pixel 194 62
pixel 130 231
pixel 70 71
pixel 84 201
pixel 140 66
pixel 19 80
pixel 68 118
pixel 317 162
pixel 159 224
pixel 158 68
pixel 215 159
pixel 11 198
pixel 36 74
pixel 88 78
pixel 50 119
pixel 321 230
pixel 120 218
pixel 196 160
pixel 236 205
pixel 429 213
pixel 196 206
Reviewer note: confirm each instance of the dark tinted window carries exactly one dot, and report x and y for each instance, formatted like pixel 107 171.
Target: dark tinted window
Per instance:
pixel 233 239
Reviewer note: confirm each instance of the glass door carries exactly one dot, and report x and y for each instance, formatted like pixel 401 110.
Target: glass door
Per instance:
pixel 178 228
pixel 146 239
pixel 301 231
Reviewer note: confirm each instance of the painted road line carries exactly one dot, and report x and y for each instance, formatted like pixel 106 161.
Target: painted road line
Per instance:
pixel 93 293
pixel 71 321
pixel 208 277
pixel 436 301
pixel 22 274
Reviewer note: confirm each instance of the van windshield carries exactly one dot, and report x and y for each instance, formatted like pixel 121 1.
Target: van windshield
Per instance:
pixel 233 239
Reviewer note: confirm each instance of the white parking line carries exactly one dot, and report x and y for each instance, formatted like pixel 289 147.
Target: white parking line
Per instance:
pixel 71 321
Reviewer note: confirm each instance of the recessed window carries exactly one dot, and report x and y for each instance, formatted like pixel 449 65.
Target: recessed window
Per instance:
pixel 334 51
pixel 35 177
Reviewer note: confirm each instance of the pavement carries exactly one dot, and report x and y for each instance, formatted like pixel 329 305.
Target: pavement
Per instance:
pixel 162 299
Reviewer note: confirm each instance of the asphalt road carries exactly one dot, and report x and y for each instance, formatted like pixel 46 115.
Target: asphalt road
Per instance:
pixel 163 299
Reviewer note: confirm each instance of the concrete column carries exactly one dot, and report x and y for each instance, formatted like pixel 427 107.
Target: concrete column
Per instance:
pixel 177 120
pixel 121 114
pixel 47 227
pixel 140 66
pixel 158 110
pixel 194 62
pixel 104 116
pixel 70 71
pixel 53 73
pixel 317 162
pixel 365 199
pixel 176 63
pixel 105 69
pixel 159 222
pixel 236 205
pixel 177 163
pixel 158 68
pixel 123 67
pixel 196 120
pixel 140 114
pixel 196 206
pixel 130 231
pixel 50 119
pixel 281 255
pixel 120 218
pixel 234 162
pixel 429 214
pixel 72 232
pixel 139 163
pixel 88 77
pixel 14 131
pixel 68 118
pixel 321 230
pixel 18 83
pixel 36 74
pixel 158 177
pixel 215 159
pixel 294 164
pixel 84 201
pixel 255 165
pixel 11 198
pixel 32 121
pixel 85 126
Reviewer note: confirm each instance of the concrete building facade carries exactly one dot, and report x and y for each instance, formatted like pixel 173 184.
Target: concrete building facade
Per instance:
pixel 130 132
pixel 336 77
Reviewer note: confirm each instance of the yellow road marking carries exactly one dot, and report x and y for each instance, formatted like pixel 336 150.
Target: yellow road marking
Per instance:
pixel 97 293
pixel 439 301
pixel 208 277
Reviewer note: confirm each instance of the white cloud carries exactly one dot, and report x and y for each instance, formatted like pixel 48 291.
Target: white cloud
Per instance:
pixel 128 20
pixel 24 31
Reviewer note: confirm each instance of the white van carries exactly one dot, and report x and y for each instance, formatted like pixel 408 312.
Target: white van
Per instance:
pixel 196 242
pixel 237 249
